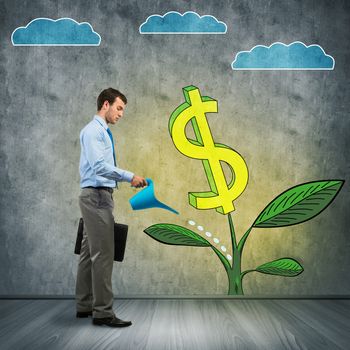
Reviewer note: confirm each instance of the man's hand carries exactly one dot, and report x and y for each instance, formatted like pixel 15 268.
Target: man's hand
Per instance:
pixel 138 181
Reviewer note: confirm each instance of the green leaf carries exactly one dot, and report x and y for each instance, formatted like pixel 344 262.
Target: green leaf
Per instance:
pixel 287 267
pixel 175 235
pixel 299 204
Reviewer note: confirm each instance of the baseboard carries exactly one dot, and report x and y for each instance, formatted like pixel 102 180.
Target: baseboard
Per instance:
pixel 191 297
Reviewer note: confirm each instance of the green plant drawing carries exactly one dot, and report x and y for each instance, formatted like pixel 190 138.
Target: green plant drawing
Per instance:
pixel 296 205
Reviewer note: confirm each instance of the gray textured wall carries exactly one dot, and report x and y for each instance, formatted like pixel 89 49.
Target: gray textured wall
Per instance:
pixel 290 126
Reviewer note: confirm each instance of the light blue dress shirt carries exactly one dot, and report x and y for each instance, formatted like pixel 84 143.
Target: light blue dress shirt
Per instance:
pixel 96 158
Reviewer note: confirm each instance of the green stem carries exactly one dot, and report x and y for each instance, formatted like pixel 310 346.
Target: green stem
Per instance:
pixel 234 277
pixel 245 272
pixel 234 274
pixel 243 240
pixel 235 286
pixel 223 259
pixel 233 234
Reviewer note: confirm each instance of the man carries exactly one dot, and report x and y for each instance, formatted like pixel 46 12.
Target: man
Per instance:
pixel 99 175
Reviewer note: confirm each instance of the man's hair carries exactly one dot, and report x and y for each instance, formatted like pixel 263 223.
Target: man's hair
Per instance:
pixel 109 95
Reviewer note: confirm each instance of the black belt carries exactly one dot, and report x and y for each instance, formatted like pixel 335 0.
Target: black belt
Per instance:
pixel 109 189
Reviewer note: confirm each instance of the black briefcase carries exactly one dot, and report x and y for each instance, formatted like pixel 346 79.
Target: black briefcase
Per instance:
pixel 120 236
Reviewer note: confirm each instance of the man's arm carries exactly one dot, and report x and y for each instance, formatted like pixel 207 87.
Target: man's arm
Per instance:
pixel 94 150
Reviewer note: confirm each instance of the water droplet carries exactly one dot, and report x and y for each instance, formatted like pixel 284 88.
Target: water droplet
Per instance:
pixel 208 234
pixel 216 240
pixel 229 257
pixel 191 222
pixel 200 228
pixel 223 248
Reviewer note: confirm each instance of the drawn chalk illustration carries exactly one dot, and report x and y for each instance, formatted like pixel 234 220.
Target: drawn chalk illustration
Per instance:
pixel 279 56
pixel 294 206
pixel 146 199
pixel 221 195
pixel 188 23
pixel 60 32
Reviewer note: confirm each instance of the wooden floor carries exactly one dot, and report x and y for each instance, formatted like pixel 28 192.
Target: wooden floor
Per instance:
pixel 179 324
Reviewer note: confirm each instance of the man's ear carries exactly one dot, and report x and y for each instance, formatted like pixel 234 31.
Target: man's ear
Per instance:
pixel 105 104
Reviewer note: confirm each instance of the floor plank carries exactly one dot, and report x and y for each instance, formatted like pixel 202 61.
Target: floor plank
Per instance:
pixel 179 324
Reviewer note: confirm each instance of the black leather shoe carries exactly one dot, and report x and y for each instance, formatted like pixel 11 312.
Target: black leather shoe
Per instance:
pixel 111 322
pixel 84 314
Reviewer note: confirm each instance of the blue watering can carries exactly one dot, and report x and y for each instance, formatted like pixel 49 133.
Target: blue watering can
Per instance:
pixel 146 199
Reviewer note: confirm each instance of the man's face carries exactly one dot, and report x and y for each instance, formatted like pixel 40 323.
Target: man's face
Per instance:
pixel 115 111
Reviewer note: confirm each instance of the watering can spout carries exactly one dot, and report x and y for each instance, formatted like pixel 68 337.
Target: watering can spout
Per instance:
pixel 146 199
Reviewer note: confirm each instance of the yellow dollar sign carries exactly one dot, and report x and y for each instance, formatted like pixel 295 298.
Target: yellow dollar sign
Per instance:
pixel 222 194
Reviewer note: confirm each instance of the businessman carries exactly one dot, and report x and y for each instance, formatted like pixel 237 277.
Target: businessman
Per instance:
pixel 99 174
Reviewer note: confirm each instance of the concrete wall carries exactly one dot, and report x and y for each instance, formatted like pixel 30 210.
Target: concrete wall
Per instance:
pixel 290 127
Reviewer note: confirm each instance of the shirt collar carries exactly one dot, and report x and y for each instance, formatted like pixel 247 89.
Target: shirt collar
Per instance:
pixel 101 121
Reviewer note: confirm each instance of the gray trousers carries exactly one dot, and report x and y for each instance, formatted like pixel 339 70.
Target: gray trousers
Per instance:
pixel 94 278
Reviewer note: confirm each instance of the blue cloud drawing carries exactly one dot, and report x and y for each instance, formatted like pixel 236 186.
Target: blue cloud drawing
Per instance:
pixel 189 23
pixel 279 56
pixel 59 32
